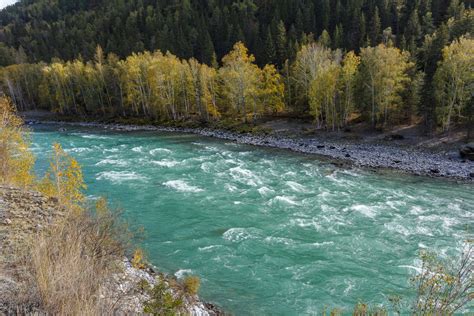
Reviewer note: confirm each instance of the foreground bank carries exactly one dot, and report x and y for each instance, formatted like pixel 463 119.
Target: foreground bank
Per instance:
pixel 417 161
pixel 25 214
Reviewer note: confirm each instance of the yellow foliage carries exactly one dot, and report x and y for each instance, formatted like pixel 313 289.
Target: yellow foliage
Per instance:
pixel 16 160
pixel 383 75
pixel 272 92
pixel 247 87
pixel 454 81
pixel 138 259
pixel 192 284
pixel 101 206
pixel 64 179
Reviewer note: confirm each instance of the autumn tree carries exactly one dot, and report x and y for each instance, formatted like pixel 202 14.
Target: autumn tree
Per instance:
pixel 347 78
pixel 64 179
pixel 16 159
pixel 454 82
pixel 240 77
pixel 203 87
pixel 271 90
pixel 309 61
pixel 325 80
pixel 322 94
pixel 381 79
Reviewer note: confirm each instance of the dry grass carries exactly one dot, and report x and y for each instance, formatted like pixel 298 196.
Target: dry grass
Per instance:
pixel 73 259
pixel 191 285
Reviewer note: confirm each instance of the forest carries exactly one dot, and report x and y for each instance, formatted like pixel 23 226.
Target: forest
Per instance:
pixel 384 62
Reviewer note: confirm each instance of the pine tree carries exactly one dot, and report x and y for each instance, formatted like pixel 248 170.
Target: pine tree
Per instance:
pixel 281 43
pixel 325 39
pixel 338 37
pixel 429 56
pixel 376 28
pixel 270 51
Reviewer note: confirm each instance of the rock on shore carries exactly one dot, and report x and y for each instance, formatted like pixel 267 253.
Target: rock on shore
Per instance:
pixel 123 290
pixel 467 152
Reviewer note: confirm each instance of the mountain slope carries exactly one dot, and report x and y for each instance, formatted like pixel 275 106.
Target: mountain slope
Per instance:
pixel 273 30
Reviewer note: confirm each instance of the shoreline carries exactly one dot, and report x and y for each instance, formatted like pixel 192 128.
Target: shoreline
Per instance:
pixel 348 152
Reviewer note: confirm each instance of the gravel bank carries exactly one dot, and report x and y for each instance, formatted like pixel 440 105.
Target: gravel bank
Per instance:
pixel 375 156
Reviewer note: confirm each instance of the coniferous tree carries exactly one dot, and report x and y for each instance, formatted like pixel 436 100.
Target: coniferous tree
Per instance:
pixel 281 43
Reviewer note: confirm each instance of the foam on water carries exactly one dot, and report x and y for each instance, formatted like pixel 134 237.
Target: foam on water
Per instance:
pixel 264 191
pixel 112 150
pixel 245 176
pixel 288 200
pixel 182 273
pixel 120 176
pixel 182 186
pixel 156 151
pixel 238 234
pixel 79 150
pixel 166 163
pixel 306 223
pixel 91 136
pixel 365 210
pixel 230 187
pixel 295 186
pixel 206 166
pixel 207 248
pixel 279 240
pixel 398 228
pixel 114 162
pixel 322 244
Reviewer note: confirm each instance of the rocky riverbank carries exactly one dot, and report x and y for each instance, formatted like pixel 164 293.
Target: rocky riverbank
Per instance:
pixel 24 214
pixel 417 161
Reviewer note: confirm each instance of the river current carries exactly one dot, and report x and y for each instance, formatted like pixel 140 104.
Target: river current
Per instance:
pixel 268 231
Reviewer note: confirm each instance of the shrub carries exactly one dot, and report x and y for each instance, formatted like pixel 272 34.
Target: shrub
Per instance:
pixel 191 285
pixel 443 287
pixel 362 309
pixel 162 301
pixel 138 259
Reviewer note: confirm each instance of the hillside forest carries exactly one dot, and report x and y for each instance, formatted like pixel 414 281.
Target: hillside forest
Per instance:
pixel 382 62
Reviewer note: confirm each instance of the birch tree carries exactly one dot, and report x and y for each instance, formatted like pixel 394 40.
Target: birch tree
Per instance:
pixel 348 73
pixel 454 82
pixel 383 76
pixel 240 79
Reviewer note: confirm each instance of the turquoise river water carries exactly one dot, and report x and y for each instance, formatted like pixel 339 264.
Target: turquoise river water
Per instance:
pixel 266 230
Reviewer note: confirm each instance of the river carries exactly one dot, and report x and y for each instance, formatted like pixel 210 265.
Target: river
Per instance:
pixel 267 231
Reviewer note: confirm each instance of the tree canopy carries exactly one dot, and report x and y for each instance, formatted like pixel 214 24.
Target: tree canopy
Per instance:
pixel 272 30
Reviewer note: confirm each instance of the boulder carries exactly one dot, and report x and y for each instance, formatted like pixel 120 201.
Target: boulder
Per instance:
pixel 394 137
pixel 467 151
